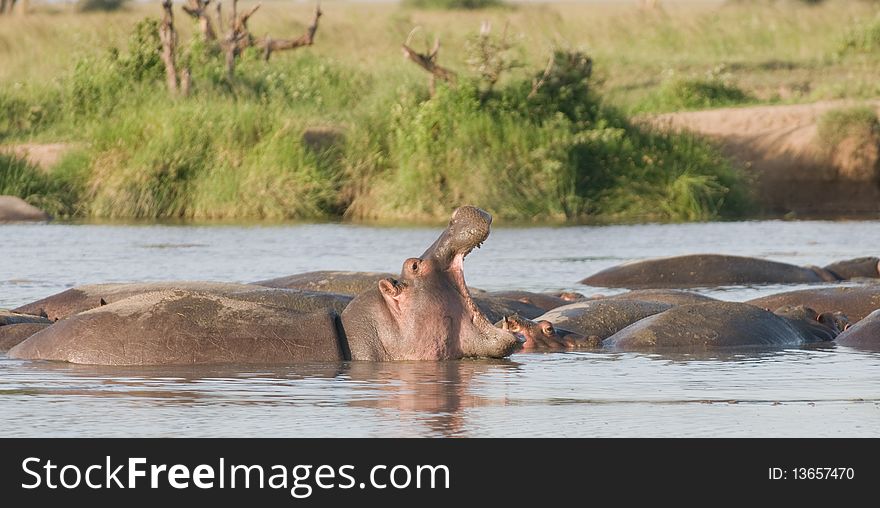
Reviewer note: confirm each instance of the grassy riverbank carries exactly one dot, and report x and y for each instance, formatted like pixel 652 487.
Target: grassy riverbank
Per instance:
pixel 346 128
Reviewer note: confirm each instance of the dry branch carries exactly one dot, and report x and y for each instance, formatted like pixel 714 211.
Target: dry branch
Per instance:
pixel 428 62
pixel 538 83
pixel 198 9
pixel 268 44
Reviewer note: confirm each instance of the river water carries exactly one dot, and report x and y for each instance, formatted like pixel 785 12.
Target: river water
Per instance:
pixel 827 391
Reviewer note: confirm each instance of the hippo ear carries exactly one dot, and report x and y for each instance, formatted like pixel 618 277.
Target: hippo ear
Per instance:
pixel 390 290
pixel 547 328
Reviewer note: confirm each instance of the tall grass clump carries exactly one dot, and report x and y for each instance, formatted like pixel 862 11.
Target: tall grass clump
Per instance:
pixel 219 155
pixel 715 90
pixel 551 153
pixel 57 193
pixel 864 38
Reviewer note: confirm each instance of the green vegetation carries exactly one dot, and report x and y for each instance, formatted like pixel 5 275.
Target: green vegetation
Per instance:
pixel 864 38
pixel 55 193
pixel 677 93
pixel 542 147
pixel 452 4
pixel 858 123
pixel 100 5
pixel 346 128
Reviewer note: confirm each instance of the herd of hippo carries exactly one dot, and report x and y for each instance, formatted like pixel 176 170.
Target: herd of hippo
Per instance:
pixel 428 313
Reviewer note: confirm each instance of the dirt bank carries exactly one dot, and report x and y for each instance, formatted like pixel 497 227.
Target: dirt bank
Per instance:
pixel 792 170
pixel 41 155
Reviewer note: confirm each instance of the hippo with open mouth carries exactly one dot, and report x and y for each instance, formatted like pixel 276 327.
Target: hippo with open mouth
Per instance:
pixel 428 313
pixel 425 314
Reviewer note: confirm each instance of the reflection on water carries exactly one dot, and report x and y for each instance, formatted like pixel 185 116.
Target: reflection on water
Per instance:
pixel 819 391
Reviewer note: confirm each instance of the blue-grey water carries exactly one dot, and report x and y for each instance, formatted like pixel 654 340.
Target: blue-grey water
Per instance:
pixel 830 391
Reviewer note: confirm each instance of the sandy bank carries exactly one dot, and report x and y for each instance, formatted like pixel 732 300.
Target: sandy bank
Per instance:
pixel 778 147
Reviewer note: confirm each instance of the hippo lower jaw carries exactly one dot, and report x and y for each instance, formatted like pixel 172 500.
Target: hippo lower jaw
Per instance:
pixel 491 341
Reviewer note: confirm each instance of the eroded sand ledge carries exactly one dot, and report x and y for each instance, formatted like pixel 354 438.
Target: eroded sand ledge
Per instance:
pixel 778 148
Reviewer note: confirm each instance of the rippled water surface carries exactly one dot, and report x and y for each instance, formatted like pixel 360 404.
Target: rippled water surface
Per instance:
pixel 831 391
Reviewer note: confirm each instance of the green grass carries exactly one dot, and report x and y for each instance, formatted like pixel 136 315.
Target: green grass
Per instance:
pixel 246 149
pixel 688 93
pixel 863 38
pixel 57 194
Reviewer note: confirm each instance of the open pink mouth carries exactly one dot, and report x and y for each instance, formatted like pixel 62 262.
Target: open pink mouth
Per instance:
pixel 485 328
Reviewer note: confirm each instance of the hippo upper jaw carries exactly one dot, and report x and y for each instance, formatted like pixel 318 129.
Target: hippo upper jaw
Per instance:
pixel 468 229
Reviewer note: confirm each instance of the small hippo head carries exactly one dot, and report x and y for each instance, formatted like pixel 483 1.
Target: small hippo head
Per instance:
pixel 570 296
pixel 867 267
pixel 540 335
pixel 824 327
pixel 428 313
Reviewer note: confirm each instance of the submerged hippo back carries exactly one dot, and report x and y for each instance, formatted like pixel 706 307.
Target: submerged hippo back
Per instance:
pixel 700 270
pixel 712 324
pixel 176 327
pixel 668 296
pixel 346 283
pixel 12 335
pixel 601 318
pixel 864 334
pixel 543 301
pixel 496 308
pixel 83 298
pixel 855 302
pixel 15 318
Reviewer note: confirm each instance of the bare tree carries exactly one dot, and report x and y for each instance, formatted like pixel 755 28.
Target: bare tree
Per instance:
pixel 428 62
pixel 238 38
pixel 168 36
pixel 178 83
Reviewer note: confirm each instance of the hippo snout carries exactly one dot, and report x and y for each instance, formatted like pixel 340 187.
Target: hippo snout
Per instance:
pixel 468 228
